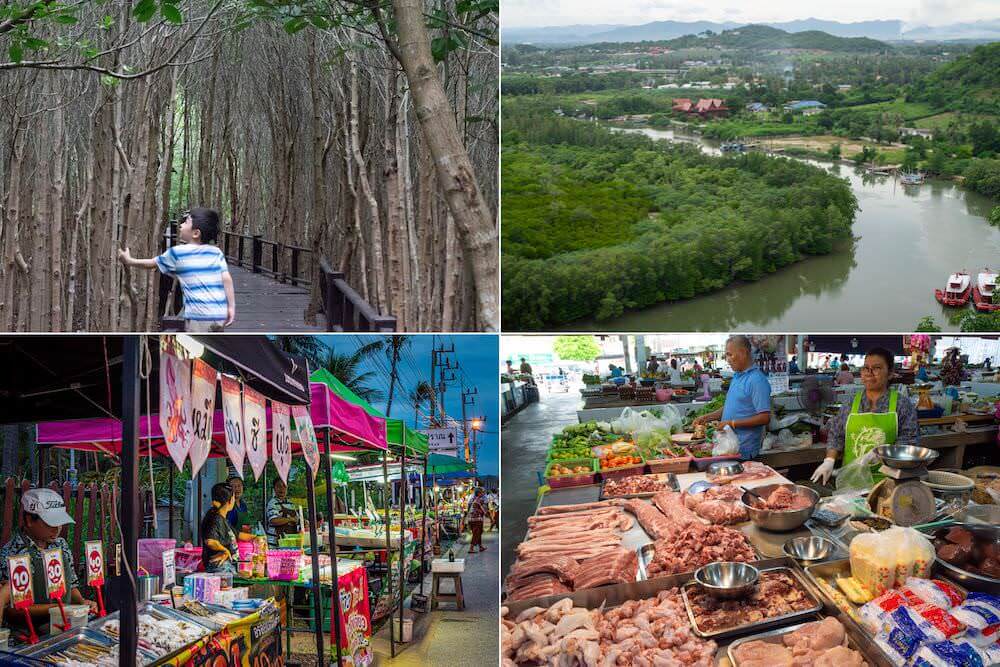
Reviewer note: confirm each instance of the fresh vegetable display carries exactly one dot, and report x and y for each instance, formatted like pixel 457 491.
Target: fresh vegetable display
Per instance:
pixel 619 461
pixel 713 405
pixel 574 452
pixel 701 451
pixel 558 469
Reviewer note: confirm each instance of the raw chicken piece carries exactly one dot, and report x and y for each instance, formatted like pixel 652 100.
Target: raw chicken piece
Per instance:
pixel 763 654
pixel 817 636
pixel 840 656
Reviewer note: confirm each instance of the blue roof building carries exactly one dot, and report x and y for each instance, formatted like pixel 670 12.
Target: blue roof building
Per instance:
pixel 799 105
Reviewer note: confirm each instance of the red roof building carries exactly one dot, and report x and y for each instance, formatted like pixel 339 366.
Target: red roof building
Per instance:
pixel 683 105
pixel 710 108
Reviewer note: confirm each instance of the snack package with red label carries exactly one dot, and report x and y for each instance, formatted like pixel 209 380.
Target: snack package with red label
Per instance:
pixel 981 613
pixel 935 591
pixel 874 614
pixel 941 620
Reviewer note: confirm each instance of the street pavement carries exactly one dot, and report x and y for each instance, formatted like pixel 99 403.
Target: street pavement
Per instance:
pixel 524 443
pixel 449 637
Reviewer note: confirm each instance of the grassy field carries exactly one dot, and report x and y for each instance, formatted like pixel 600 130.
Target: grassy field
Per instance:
pixel 944 119
pixel 823 142
pixel 907 110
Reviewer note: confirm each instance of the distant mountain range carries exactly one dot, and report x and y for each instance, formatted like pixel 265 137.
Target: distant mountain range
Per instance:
pixel 664 30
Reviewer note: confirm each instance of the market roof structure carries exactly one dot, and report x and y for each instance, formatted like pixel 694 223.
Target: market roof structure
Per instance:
pixel 397 432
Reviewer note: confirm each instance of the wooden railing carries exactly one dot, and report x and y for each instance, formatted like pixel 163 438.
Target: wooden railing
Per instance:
pixel 93 508
pixel 344 308
pixel 281 261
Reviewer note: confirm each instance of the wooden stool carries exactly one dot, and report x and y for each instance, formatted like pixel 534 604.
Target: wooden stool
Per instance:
pixel 456 596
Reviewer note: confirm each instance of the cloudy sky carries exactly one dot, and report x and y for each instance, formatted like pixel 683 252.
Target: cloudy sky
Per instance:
pixel 539 13
pixel 477 357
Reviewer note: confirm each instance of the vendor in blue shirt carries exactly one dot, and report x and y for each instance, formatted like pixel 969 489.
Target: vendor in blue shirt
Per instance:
pixel 747 409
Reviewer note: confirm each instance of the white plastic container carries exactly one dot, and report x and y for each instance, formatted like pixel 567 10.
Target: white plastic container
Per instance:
pixel 76 616
pixel 404 634
pixel 444 565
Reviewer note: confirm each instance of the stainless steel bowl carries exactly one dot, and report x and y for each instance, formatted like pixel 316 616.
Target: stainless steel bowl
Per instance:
pixel 779 520
pixel 974 582
pixel 905 457
pixel 727 580
pixel 722 469
pixel 808 549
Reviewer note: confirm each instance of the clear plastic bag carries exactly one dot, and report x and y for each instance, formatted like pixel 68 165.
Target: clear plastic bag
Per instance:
pixel 855 476
pixel 725 442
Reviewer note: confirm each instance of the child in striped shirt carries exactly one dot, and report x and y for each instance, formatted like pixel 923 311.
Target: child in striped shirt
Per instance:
pixel 209 299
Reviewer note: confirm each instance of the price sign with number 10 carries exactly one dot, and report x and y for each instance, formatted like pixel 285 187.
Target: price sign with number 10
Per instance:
pixel 20 581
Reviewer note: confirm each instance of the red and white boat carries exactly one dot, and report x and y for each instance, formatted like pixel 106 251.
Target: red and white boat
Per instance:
pixel 957 292
pixel 983 291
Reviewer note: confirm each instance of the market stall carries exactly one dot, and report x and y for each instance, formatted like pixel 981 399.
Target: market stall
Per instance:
pixel 343 427
pixel 277 383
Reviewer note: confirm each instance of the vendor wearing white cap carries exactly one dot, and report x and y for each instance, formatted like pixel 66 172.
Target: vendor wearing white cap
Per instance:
pixel 43 517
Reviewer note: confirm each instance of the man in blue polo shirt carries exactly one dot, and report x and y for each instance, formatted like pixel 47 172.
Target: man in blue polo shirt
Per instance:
pixel 747 409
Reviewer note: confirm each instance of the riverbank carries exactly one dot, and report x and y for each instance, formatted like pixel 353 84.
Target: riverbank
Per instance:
pixel 905 235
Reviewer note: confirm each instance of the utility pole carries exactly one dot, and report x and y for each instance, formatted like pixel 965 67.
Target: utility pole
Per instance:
pixel 437 354
pixel 468 398
pixel 448 368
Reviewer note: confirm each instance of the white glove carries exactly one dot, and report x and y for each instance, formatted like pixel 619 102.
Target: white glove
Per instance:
pixel 824 471
pixel 869 457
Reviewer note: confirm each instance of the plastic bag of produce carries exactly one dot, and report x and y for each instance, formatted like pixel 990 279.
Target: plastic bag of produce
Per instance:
pixel 725 442
pixel 854 476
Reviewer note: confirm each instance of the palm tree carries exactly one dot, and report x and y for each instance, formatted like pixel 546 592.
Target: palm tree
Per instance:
pixel 348 369
pixel 310 347
pixel 422 392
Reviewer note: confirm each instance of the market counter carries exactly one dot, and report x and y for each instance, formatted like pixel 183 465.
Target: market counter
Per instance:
pixel 951 445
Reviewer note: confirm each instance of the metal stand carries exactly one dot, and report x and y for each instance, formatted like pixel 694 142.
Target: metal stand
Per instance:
pixel 332 509
pixel 128 509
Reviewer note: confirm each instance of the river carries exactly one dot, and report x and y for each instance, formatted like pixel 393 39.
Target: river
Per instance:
pixel 908 239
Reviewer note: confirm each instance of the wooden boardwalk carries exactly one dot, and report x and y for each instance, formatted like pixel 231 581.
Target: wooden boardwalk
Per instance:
pixel 265 305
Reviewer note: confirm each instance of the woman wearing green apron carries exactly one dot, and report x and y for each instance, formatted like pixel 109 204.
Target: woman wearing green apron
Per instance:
pixel 876 416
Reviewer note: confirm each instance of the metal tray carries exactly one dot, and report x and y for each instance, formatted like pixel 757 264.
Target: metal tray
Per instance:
pixel 776 637
pixel 614 595
pixel 828 571
pixel 63 640
pixel 648 551
pixel 669 478
pixel 810 613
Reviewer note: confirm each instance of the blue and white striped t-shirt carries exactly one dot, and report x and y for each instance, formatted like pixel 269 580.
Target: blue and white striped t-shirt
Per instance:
pixel 199 270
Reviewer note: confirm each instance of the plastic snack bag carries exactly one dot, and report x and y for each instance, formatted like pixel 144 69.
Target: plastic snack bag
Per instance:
pixel 855 476
pixel 726 443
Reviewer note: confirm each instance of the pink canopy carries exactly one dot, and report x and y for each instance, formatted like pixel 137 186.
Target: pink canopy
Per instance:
pixel 353 428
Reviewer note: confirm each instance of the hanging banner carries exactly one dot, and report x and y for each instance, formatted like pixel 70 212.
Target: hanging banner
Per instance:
pixel 94 552
pixel 232 414
pixel 55 575
pixel 281 439
pixel 175 405
pixel 19 566
pixel 255 429
pixel 202 413
pixel 307 436
pixel 254 641
pixel 355 618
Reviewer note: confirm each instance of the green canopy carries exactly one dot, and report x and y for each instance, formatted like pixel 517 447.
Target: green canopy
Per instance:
pixel 440 464
pixel 397 433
